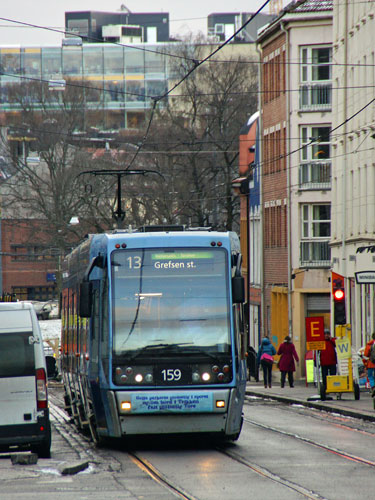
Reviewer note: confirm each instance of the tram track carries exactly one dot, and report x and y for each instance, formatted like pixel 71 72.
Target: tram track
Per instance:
pixel 84 446
pixel 261 471
pixel 311 442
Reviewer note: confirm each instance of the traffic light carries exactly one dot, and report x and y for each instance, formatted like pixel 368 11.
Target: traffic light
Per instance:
pixel 338 292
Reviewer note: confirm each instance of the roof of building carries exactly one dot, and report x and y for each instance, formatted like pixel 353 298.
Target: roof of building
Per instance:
pixel 309 6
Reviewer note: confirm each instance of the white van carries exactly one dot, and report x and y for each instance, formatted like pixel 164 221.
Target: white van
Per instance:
pixel 24 414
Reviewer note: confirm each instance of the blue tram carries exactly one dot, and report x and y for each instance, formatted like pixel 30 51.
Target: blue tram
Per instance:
pixel 152 334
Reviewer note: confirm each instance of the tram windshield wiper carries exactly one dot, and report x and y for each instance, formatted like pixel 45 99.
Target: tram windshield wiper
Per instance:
pixel 199 350
pixel 160 347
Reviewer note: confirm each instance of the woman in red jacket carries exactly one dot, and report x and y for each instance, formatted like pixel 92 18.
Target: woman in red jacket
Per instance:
pixel 286 363
pixel 328 357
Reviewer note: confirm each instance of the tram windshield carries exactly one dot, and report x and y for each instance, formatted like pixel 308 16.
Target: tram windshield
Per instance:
pixel 170 302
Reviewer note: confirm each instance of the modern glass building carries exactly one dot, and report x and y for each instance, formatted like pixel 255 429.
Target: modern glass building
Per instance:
pixel 119 81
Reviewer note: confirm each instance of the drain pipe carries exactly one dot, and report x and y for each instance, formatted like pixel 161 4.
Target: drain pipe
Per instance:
pixel 260 157
pixel 289 190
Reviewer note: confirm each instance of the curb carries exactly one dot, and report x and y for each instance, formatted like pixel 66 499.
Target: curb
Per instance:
pixel 311 404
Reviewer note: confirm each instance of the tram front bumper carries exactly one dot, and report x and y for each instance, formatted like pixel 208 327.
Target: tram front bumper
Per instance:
pixel 173 411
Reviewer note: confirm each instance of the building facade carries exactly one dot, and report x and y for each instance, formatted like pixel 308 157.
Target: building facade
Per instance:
pixel 353 182
pixel 119 82
pixel 95 26
pixel 247 186
pixel 296 103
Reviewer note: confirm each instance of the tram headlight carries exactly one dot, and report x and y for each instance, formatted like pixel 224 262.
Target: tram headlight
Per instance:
pixel 195 377
pixel 138 378
pixel 126 405
pixel 149 377
pixel 206 376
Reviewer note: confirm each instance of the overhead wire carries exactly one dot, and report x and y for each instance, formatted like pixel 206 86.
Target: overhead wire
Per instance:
pixel 189 72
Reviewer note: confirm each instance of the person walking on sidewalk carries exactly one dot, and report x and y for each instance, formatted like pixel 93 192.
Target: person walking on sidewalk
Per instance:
pixel 368 356
pixel 265 360
pixel 288 354
pixel 328 357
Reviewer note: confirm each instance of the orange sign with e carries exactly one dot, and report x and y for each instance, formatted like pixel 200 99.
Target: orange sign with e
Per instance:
pixel 315 333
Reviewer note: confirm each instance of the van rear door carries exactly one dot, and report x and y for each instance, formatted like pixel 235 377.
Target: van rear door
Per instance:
pixel 17 378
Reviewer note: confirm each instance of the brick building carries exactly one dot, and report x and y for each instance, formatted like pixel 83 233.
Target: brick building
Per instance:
pixel 295 105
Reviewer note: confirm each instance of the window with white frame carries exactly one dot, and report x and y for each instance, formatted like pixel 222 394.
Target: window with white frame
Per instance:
pixel 316 221
pixel 316 76
pixel 315 232
pixel 315 165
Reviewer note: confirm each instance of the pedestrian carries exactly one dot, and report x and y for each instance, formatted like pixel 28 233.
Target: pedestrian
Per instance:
pixel 369 360
pixel 288 354
pixel 328 357
pixel 252 365
pixel 265 360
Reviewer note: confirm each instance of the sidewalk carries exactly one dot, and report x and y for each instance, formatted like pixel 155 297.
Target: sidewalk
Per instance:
pixel 300 394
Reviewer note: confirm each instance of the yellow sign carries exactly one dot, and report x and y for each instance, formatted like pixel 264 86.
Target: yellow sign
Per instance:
pixel 316 346
pixel 343 348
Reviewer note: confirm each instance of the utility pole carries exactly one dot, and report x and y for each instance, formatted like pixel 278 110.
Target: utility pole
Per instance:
pixel 119 214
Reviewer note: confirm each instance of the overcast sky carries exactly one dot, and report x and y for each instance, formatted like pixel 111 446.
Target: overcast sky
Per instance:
pixel 185 15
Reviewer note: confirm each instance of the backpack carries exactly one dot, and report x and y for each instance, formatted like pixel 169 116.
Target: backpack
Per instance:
pixel 372 353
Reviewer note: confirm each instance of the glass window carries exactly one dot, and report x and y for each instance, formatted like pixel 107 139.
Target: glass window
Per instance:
pixel 78 26
pixel 154 62
pixel 16 352
pixel 316 64
pixel 72 60
pixel 32 62
pixel 115 119
pixel 156 88
pixel 51 62
pixel 10 61
pixel 168 302
pixel 135 91
pixel 315 143
pixel 113 60
pixel 316 221
pixel 92 60
pixel 114 91
pixel 135 119
pixel 134 61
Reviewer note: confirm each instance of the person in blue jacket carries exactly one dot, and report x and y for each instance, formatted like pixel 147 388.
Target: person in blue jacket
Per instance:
pixel 266 362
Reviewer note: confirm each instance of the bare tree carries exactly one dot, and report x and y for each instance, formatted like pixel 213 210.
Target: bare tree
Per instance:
pixel 196 135
pixel 43 145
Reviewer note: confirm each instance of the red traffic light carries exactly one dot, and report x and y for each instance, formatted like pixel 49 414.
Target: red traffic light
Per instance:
pixel 338 294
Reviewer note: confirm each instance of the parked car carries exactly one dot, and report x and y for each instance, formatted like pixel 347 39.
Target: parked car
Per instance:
pixel 43 309
pixel 24 415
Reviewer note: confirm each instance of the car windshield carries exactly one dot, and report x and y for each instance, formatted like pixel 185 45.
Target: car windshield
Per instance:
pixel 170 302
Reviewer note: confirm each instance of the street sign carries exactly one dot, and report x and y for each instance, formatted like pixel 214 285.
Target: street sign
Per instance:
pixel 315 333
pixel 343 348
pixel 365 277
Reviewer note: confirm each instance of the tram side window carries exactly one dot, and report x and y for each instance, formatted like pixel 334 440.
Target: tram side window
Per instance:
pixel 96 314
pixel 105 325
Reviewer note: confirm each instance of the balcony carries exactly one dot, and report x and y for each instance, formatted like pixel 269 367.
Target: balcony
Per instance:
pixel 315 254
pixel 315 97
pixel 315 175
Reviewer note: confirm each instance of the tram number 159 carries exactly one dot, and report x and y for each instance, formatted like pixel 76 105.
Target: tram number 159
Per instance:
pixel 171 375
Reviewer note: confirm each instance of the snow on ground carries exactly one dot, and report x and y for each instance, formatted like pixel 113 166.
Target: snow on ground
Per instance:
pixel 51 328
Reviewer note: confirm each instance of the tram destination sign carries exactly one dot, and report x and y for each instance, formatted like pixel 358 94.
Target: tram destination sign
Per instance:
pixel 180 260
pixel 365 277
